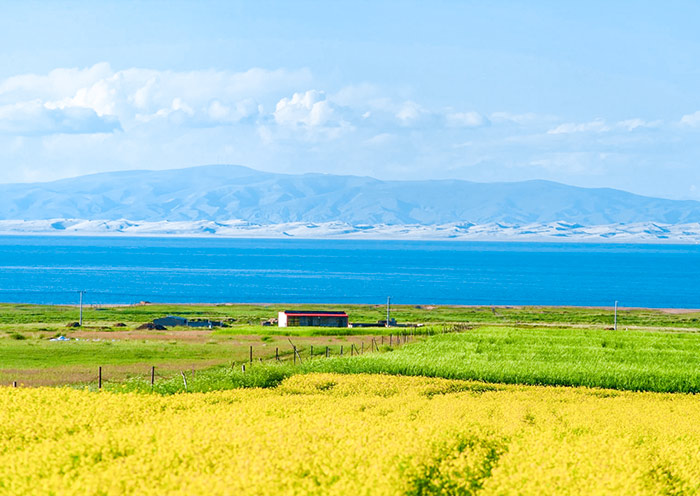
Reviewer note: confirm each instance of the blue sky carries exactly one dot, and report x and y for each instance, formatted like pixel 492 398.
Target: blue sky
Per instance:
pixel 588 93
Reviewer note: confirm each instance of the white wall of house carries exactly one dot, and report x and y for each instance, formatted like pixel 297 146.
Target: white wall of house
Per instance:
pixel 282 319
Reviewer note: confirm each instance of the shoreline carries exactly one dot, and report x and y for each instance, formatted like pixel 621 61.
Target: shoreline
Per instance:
pixel 534 232
pixel 351 237
pixel 427 307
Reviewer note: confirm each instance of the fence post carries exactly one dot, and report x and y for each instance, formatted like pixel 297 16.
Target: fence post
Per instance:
pixel 153 376
pixel 363 347
pixel 311 353
pixel 251 354
pixel 99 378
pixel 327 351
pixel 341 350
pixel 184 379
pixel 14 383
pixel 243 368
pixel 391 340
pixel 277 354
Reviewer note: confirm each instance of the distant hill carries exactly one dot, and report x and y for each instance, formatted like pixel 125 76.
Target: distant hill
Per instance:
pixel 225 192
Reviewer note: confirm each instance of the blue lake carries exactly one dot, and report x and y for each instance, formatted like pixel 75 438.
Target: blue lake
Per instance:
pixel 128 270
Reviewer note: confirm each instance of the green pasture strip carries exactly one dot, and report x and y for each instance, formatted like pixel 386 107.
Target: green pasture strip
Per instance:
pixel 324 331
pixel 132 314
pixel 215 379
pixel 633 360
pixel 630 360
pixel 246 314
pixel 34 353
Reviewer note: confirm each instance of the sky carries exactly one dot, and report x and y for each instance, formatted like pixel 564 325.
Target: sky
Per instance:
pixel 589 93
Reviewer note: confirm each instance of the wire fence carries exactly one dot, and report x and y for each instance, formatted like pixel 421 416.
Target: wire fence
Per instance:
pixel 295 355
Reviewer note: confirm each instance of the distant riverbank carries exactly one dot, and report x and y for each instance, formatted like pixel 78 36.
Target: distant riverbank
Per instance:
pixel 645 232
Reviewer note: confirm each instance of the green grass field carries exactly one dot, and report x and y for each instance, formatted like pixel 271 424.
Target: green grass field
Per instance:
pixel 37 361
pixel 53 318
pixel 631 360
pixel 528 345
pixel 33 353
pixel 628 360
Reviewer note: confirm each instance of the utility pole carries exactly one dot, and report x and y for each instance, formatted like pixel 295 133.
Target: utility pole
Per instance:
pixel 388 311
pixel 616 315
pixel 81 307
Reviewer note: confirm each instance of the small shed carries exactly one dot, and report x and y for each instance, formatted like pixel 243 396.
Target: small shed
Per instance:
pixel 312 318
pixel 171 321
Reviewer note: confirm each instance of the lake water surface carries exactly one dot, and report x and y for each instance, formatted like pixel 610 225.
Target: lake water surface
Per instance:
pixel 128 270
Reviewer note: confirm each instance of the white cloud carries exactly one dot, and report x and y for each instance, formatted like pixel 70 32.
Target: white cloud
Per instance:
pixel 284 120
pixel 380 139
pixel 691 120
pixel 101 97
pixel 35 119
pixel 600 126
pixel 140 97
pixel 309 116
pixel 357 95
pixel 231 113
pixel 308 109
pixel 632 124
pixel 57 84
pixel 409 113
pixel 508 117
pixel 465 119
pixel 596 126
pixel 136 96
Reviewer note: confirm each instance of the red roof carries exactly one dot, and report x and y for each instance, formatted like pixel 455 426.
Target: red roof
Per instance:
pixel 310 314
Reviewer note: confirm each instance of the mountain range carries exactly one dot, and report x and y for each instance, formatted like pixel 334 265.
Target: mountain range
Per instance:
pixel 221 193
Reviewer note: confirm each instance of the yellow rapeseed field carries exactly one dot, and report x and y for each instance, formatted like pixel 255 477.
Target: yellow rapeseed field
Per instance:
pixel 348 435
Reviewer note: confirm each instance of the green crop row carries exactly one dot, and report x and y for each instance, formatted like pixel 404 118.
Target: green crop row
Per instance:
pixel 629 360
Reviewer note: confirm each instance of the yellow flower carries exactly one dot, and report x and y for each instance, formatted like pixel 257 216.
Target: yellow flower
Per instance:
pixel 350 434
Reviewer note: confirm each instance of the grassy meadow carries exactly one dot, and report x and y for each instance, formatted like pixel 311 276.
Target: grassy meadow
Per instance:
pixel 630 360
pixel 50 318
pixel 41 362
pixel 624 360
pixel 527 345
